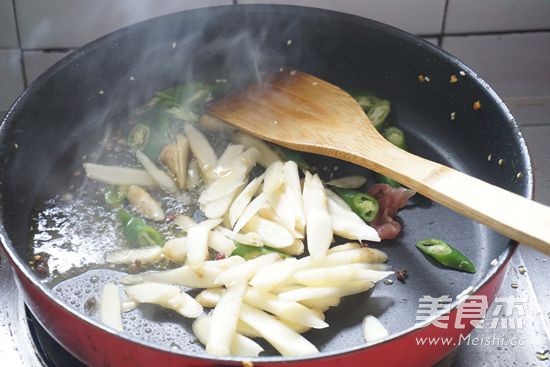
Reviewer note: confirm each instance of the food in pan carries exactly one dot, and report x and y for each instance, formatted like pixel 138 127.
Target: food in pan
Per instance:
pixel 445 254
pixel 239 226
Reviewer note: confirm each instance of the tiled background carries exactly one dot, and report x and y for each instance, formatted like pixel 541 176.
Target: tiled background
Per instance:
pixel 507 42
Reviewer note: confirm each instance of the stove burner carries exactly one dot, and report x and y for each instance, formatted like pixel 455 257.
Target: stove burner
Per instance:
pixel 53 354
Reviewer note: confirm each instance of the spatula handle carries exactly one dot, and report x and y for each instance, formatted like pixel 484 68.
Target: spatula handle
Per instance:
pixel 514 216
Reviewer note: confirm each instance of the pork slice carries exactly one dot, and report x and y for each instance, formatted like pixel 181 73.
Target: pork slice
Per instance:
pixel 390 199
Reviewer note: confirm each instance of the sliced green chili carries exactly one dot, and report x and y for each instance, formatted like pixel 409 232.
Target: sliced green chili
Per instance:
pixel 154 134
pixel 139 136
pixel 377 114
pixel 137 232
pixel 115 195
pixel 186 102
pixel 185 114
pixel 187 94
pixel 163 116
pixel 366 101
pixel 249 252
pixel 292 155
pixel 385 179
pixel 362 204
pixel 395 136
pixel 446 255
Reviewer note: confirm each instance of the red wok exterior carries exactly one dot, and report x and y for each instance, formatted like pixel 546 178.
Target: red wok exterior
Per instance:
pixel 99 348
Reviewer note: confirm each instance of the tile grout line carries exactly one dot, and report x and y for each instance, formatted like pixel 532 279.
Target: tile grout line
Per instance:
pixel 18 34
pixel 534 124
pixel 497 33
pixel 529 97
pixel 49 49
pixel 46 50
pixel 443 23
pixel 438 36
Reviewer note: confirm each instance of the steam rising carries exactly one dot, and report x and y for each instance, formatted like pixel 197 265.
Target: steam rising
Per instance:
pixel 210 49
pixel 93 19
pixel 135 64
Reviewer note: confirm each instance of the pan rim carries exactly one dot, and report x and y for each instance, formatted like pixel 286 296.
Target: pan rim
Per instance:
pixel 501 262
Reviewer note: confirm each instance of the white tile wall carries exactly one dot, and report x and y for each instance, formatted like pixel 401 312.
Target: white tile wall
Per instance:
pixel 36 62
pixel 514 64
pixel 537 141
pixel 432 40
pixel 8 33
pixel 11 77
pixel 497 15
pixel 530 110
pixel 70 24
pixel 418 16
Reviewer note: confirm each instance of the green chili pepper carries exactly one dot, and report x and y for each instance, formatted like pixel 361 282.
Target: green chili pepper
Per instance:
pixel 389 181
pixel 115 195
pixel 137 232
pixel 184 114
pixel 292 155
pixel 186 101
pixel 362 204
pixel 187 94
pixel 377 114
pixel 139 136
pixel 395 136
pixel 249 252
pixel 162 133
pixel 366 101
pixel 446 255
pixel 162 117
pixel 153 136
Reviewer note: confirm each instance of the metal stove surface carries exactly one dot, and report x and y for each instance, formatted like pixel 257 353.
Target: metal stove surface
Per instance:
pixel 23 342
pixel 49 350
pixel 17 347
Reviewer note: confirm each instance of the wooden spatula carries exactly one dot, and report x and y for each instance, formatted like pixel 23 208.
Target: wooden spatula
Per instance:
pixel 302 112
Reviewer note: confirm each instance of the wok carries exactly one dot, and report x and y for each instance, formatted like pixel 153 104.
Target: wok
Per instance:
pixel 60 116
